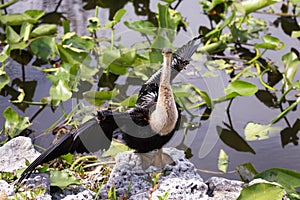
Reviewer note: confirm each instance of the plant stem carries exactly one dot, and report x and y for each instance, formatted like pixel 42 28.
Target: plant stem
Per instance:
pixel 76 162
pixel 262 81
pixel 241 72
pixel 282 114
pixel 112 38
pixel 185 108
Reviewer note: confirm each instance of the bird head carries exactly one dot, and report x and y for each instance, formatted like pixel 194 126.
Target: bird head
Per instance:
pixel 166 52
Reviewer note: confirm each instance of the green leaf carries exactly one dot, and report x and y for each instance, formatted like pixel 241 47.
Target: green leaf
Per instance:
pixel 12 36
pixel 16 19
pixel 14 123
pixel 68 158
pixel 163 16
pixel 168 1
pixel 223 161
pixel 73 55
pixel 289 179
pixel 25 30
pixel 80 42
pixel 213 47
pixel 246 172
pixel 44 47
pixel 4 54
pixel 255 131
pixel 168 21
pixel 249 6
pixel 295 34
pixel 108 57
pixel 20 97
pixel 60 92
pixel 119 14
pixel 270 42
pixel 291 66
pixel 98 98
pixel 45 29
pixel 130 101
pixel 66 26
pixel 296 85
pixel 240 88
pixel 114 149
pixel 116 19
pixel 142 26
pixel 160 42
pixel 262 191
pixel 209 5
pixel 62 179
pixel 35 14
pixel 4 78
pixel 87 72
pixel 60 74
pixel 118 61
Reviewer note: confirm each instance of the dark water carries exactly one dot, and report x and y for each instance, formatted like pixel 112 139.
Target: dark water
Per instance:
pixel 204 141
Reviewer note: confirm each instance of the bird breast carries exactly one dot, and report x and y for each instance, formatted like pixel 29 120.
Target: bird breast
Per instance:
pixel 163 119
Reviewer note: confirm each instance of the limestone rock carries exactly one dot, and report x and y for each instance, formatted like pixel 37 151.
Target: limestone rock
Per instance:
pixel 181 181
pixel 221 188
pixel 14 152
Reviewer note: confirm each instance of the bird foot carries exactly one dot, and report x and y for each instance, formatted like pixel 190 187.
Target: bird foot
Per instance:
pixel 158 160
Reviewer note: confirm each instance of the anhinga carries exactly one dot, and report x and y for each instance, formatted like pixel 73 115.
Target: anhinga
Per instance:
pixel 148 126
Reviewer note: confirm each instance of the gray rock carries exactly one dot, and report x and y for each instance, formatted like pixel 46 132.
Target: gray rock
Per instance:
pixel 40 181
pixel 181 181
pixel 14 152
pixel 6 189
pixel 72 192
pixel 7 192
pixel 221 188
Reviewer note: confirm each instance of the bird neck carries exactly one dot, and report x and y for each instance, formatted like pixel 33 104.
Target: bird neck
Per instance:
pixel 166 72
pixel 164 118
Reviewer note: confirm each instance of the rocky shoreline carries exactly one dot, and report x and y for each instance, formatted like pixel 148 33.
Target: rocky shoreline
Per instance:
pixel 180 181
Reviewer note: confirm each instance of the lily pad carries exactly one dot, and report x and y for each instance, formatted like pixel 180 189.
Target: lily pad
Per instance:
pixel 240 88
pixel 255 131
pixel 14 123
pixel 60 91
pixel 44 47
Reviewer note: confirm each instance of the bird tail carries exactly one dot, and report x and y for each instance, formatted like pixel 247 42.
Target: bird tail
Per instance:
pixel 93 135
pixel 61 147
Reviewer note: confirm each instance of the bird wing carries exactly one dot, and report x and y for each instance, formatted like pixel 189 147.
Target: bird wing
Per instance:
pixel 149 91
pixel 186 51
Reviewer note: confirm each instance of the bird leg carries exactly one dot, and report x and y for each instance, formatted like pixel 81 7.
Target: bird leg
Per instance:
pixel 159 159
